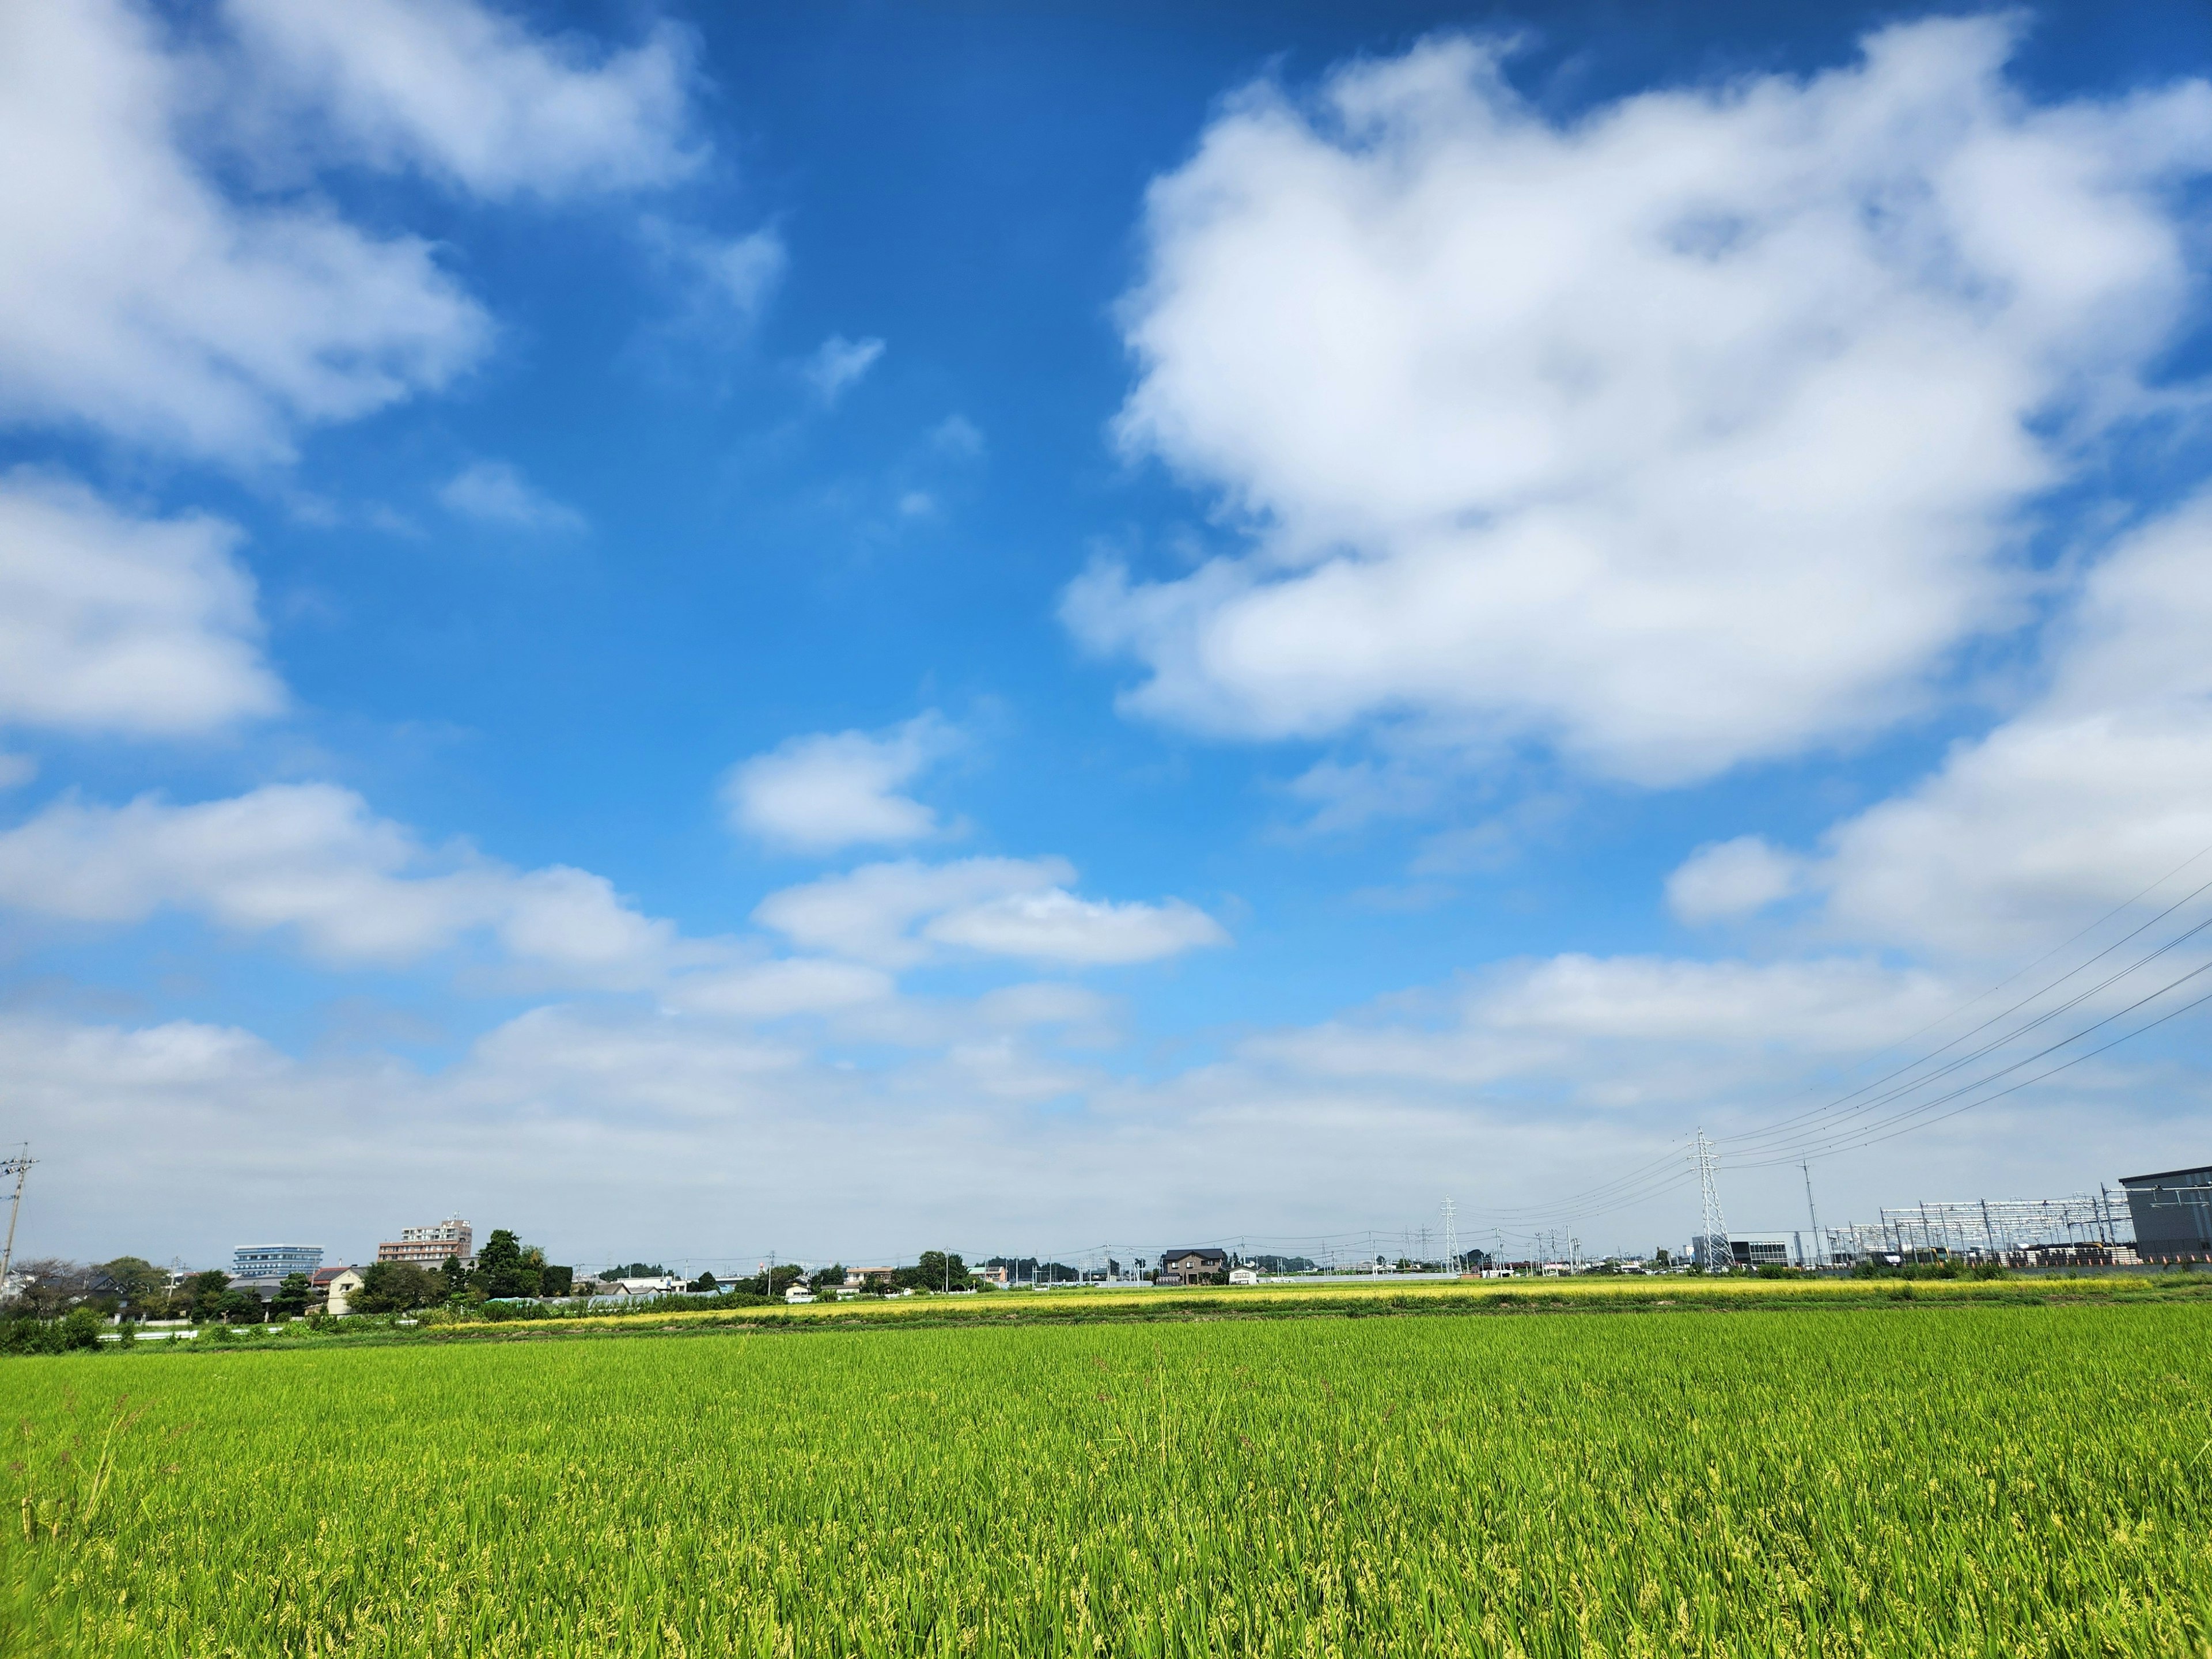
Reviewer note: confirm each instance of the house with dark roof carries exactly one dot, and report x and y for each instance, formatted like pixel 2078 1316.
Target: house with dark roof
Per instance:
pixel 1194 1266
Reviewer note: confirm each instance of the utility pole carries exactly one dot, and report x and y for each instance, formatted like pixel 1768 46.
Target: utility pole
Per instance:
pixel 1451 1239
pixel 1819 1244
pixel 17 1166
pixel 1709 1195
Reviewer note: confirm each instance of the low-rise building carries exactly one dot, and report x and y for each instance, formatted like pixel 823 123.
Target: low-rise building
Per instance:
pixel 338 1286
pixel 658 1284
pixel 862 1279
pixel 428 1247
pixel 1763 1249
pixel 1243 1276
pixel 1193 1267
pixel 262 1287
pixel 274 1260
pixel 2172 1214
pixel 799 1292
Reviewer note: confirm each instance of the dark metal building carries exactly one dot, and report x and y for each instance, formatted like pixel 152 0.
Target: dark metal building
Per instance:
pixel 2173 1212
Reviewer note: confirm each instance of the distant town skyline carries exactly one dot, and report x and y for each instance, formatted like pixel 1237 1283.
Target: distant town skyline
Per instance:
pixel 688 629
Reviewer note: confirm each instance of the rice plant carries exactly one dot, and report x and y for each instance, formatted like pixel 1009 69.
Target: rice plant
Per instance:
pixel 1914 1478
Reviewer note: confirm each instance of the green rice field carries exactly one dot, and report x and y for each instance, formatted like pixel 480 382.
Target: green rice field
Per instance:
pixel 1977 1479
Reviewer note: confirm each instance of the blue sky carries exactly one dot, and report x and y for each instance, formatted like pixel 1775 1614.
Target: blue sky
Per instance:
pixel 700 631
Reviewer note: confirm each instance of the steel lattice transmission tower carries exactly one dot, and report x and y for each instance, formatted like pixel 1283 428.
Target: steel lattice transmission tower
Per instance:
pixel 1451 1238
pixel 1712 1227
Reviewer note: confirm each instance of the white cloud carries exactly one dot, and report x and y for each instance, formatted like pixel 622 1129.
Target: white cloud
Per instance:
pixel 690 1138
pixel 312 859
pixel 1056 925
pixel 136 298
pixel 868 913
pixel 471 97
pixel 1732 878
pixel 110 623
pixel 1625 1031
pixel 834 789
pixel 839 365
pixel 1691 432
pixel 496 493
pixel 894 913
pixel 777 989
pixel 2099 787
pixel 17 770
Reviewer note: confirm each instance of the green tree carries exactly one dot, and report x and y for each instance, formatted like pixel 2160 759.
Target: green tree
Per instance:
pixel 935 1270
pixel 455 1275
pixel 291 1298
pixel 240 1308
pixel 397 1287
pixel 137 1283
pixel 80 1328
pixel 704 1282
pixel 203 1294
pixel 557 1281
pixel 505 1268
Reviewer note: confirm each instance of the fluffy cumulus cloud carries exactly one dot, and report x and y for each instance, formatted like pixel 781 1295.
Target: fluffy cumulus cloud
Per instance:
pixel 312 859
pixel 496 492
pixel 146 293
pixel 117 623
pixel 136 297
pixel 470 95
pixel 833 789
pixel 1693 430
pixel 903 913
pixel 2096 789
pixel 1732 878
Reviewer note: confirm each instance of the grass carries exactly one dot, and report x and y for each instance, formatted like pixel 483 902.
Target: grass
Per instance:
pixel 1942 1476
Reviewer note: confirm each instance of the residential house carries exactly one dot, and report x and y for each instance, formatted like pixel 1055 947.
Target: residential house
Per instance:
pixel 1195 1266
pixel 338 1286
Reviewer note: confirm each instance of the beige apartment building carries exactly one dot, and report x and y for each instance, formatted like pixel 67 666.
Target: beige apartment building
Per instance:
pixel 428 1247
